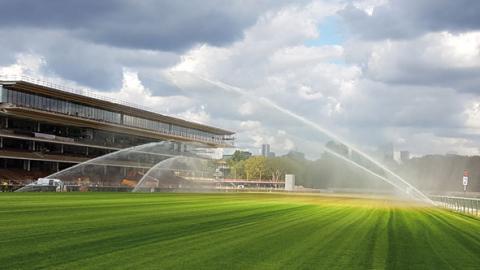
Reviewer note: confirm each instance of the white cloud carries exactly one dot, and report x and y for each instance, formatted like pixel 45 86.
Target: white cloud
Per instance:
pixel 428 59
pixel 135 92
pixel 307 92
pixel 417 91
pixel 369 5
pixel 247 108
pixel 472 112
pixel 26 64
pixel 272 61
pixel 432 143
pixel 198 115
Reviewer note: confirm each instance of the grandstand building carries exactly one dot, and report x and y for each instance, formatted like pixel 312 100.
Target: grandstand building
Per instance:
pixel 45 128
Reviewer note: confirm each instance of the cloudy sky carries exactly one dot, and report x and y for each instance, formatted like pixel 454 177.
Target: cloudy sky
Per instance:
pixel 372 71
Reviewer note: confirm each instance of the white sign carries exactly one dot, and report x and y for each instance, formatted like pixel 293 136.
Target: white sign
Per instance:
pixel 465 180
pixel 289 182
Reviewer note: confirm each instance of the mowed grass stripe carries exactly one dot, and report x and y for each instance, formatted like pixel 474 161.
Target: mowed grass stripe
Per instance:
pixel 230 231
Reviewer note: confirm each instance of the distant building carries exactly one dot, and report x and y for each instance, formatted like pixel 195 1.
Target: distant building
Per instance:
pixel 386 152
pixel 238 155
pixel 404 156
pixel 296 155
pixel 338 148
pixel 227 157
pixel 265 150
pixel 452 153
pixel 45 128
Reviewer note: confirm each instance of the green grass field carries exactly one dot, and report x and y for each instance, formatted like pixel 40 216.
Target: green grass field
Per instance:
pixel 230 231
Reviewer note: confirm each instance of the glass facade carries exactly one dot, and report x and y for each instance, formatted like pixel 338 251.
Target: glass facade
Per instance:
pixel 44 103
pixel 59 106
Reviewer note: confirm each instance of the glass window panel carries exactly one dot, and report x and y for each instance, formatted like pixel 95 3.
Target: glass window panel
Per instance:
pixel 76 109
pixel 3 97
pixel 54 105
pixel 18 98
pixel 67 107
pixel 64 107
pixel 82 111
pixel 27 100
pixel 44 103
pixel 21 97
pixel 4 94
pixel 37 102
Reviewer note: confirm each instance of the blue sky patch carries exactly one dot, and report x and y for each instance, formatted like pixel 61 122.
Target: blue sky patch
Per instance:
pixel 331 33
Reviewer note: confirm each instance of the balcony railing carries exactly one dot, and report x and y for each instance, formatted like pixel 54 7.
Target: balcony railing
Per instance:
pixel 83 92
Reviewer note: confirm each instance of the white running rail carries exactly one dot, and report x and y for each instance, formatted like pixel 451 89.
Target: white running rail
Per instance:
pixel 469 206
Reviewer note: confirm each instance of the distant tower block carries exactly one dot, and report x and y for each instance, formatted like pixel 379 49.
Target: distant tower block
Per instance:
pixel 289 182
pixel 404 156
pixel 265 150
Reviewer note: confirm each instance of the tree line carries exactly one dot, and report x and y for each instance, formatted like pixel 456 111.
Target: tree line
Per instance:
pixel 325 172
pixel 434 173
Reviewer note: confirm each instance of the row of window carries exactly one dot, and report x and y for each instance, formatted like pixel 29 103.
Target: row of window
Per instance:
pixel 59 106
pixel 80 110
pixel 145 123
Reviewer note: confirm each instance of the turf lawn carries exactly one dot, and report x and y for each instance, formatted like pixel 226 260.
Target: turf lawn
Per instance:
pixel 230 231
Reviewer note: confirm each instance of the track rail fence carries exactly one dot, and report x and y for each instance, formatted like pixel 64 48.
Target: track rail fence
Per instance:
pixel 464 205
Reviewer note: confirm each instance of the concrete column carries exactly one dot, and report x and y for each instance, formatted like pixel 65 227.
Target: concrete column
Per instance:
pixel 33 146
pixel 61 148
pixel 1 142
pixel 57 166
pixel 38 127
pixel 86 153
pixel 6 122
pixel 28 165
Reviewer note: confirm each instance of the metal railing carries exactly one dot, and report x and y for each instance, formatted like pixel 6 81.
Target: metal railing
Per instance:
pixel 464 205
pixel 83 92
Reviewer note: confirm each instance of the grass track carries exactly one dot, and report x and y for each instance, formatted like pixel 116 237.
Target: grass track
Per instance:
pixel 230 231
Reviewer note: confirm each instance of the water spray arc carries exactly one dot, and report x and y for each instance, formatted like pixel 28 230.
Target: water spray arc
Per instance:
pixel 153 157
pixel 79 165
pixel 186 167
pixel 320 129
pixel 144 177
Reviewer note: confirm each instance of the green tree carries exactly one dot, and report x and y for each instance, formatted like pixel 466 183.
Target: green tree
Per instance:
pixel 255 167
pixel 277 167
pixel 240 155
pixel 237 170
